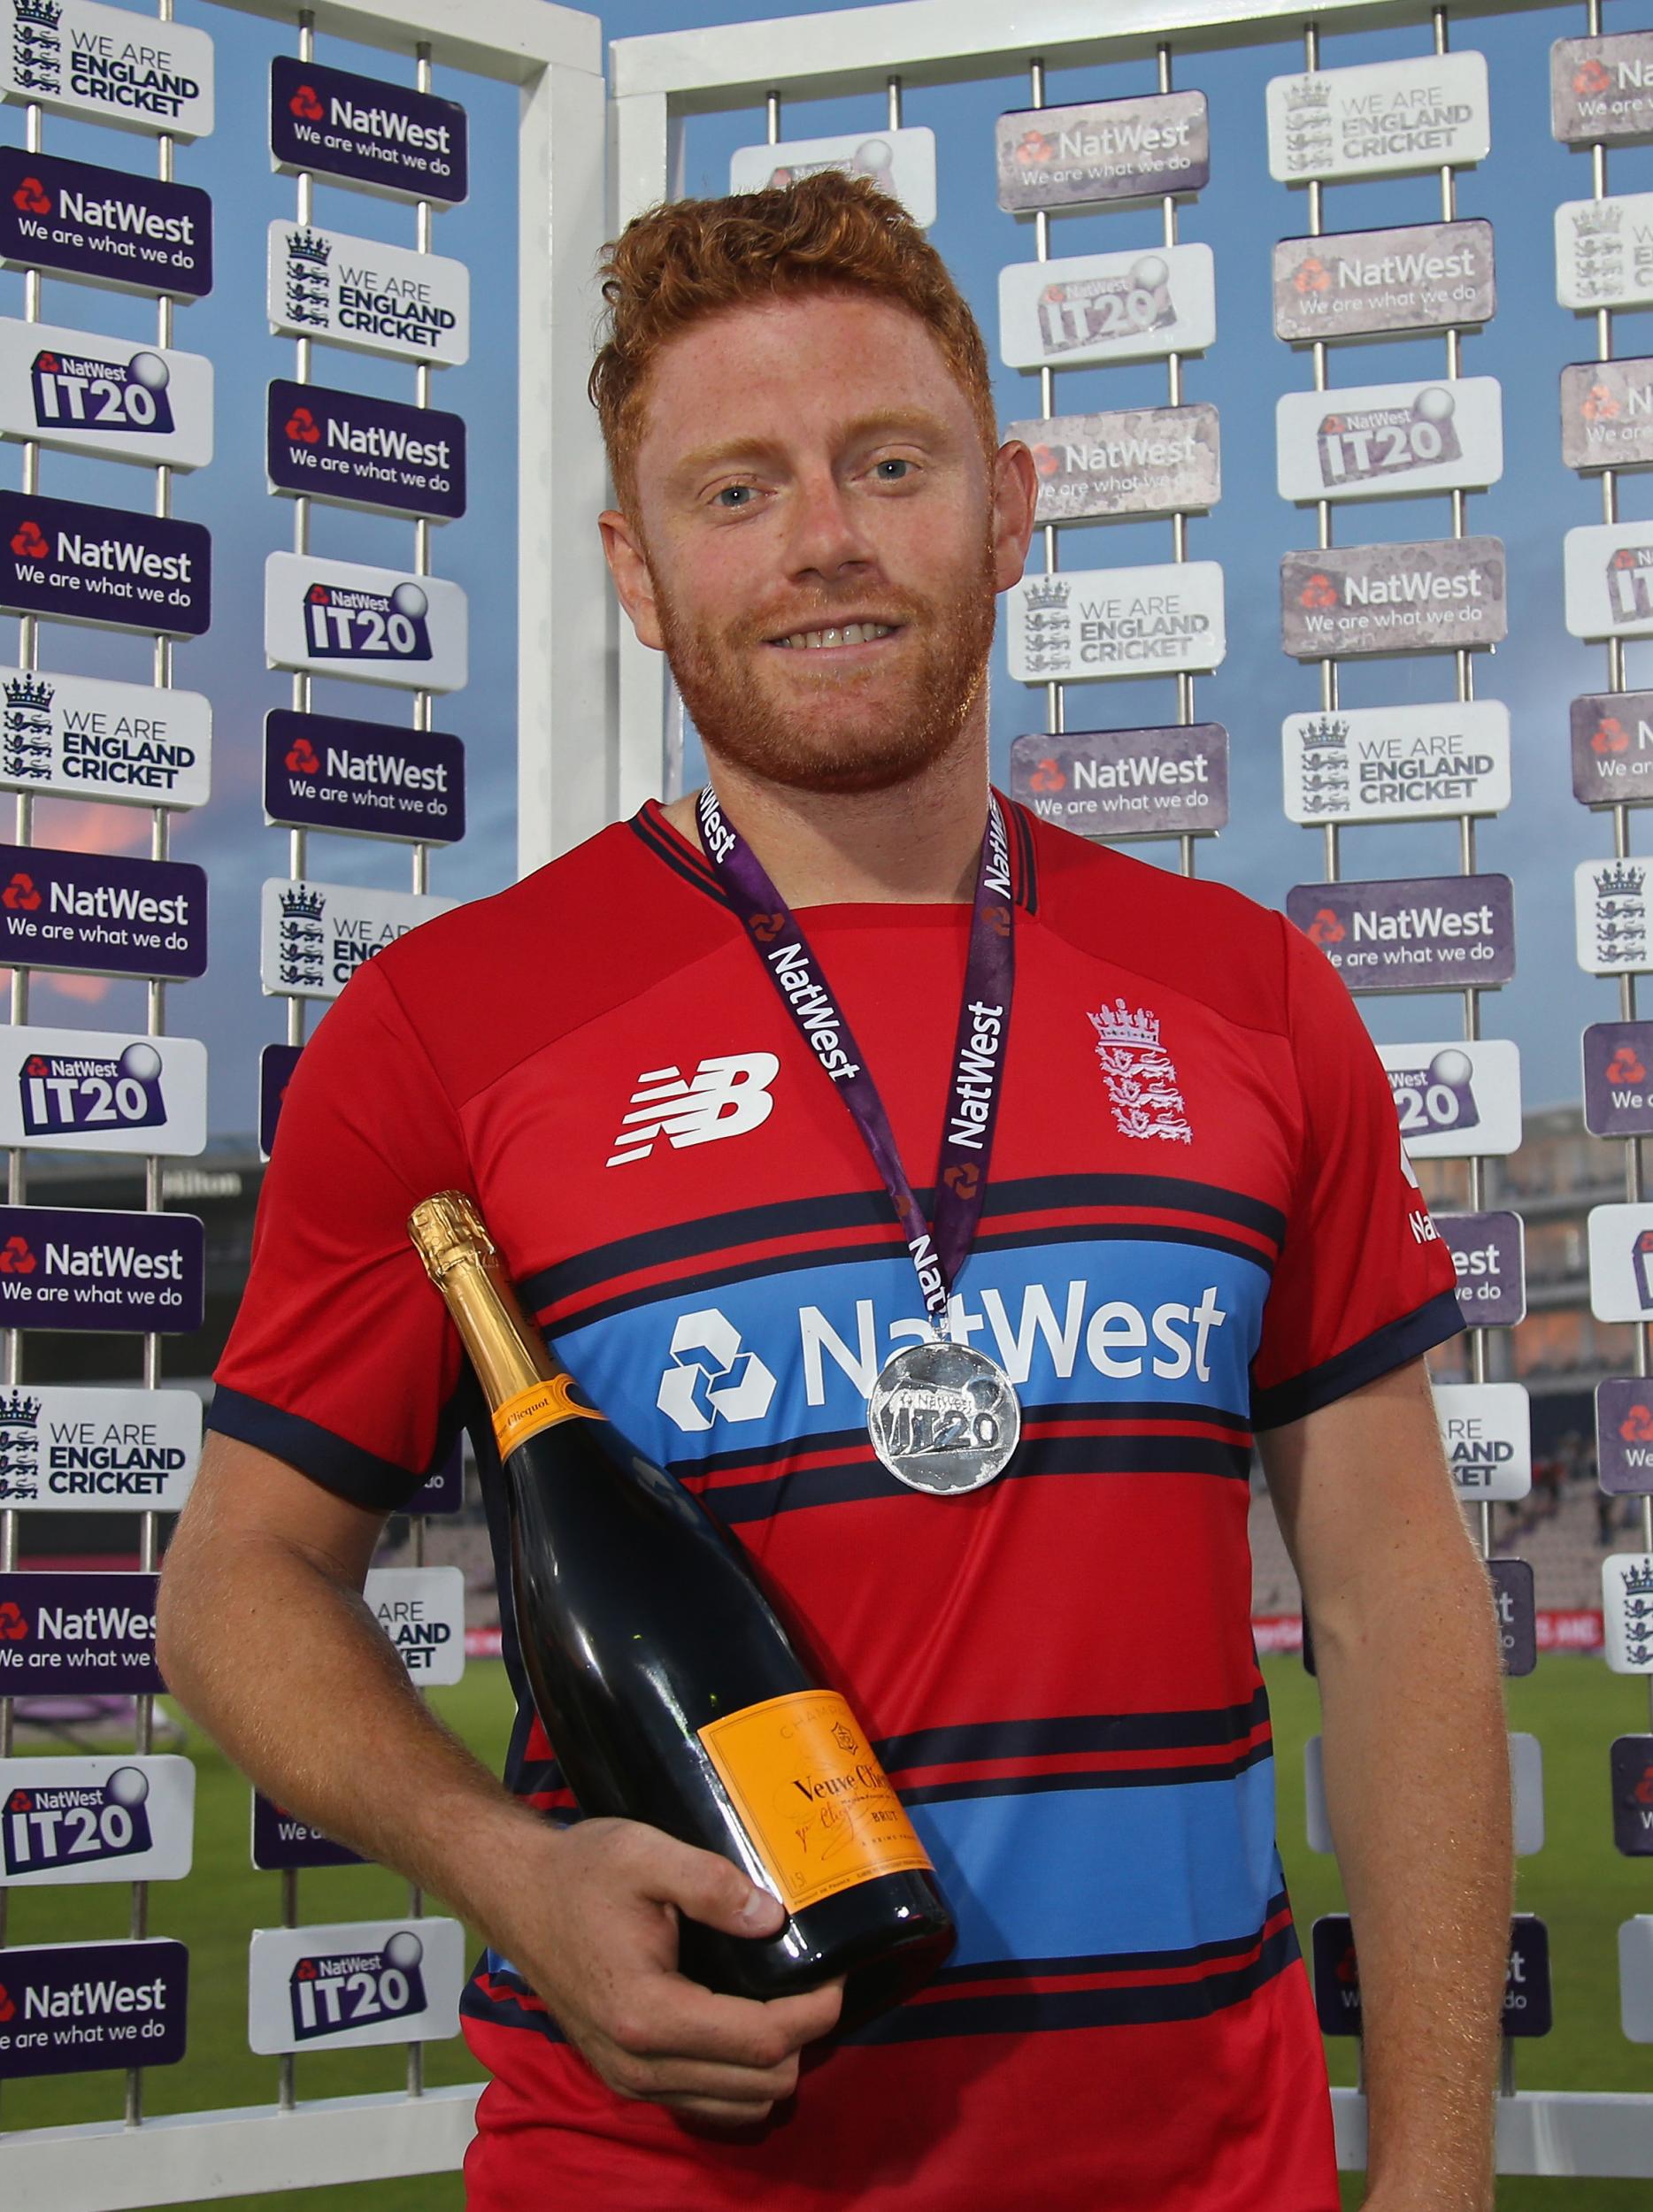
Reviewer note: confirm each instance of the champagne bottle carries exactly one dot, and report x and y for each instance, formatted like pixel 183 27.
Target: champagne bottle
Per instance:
pixel 671 1691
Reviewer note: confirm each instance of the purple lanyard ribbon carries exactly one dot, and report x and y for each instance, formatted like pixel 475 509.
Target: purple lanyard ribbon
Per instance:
pixel 936 1249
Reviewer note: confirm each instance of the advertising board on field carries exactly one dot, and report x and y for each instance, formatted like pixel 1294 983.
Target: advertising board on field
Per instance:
pixel 104 567
pixel 1489 1258
pixel 1427 596
pixel 1168 781
pixel 345 1984
pixel 1389 440
pixel 1134 306
pixel 366 296
pixel 104 227
pixel 108 65
pixel 1607 575
pixel 1396 764
pixel 1116 622
pixel 68 1632
pixel 1145 147
pixel 1412 932
pixel 327 772
pixel 281 1840
pixel 124 1817
pixel 1379 119
pixel 1381 283
pixel 1134 461
pixel 116 397
pixel 1617 1059
pixel 103 913
pixel 1633 1832
pixel 86 1448
pixel 899 161
pixel 314 936
pixel 364 132
pixel 1515 1613
pixel 1457 1099
pixel 371 626
pixel 80 2008
pixel 79 737
pixel 89 1267
pixel 86 1090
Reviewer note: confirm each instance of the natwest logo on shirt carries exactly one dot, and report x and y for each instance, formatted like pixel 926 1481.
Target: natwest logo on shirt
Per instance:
pixel 727 1095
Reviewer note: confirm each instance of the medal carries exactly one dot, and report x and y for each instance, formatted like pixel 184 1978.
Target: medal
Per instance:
pixel 943 1417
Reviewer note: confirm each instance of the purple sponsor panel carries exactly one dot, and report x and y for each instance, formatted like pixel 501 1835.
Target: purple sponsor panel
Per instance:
pixel 1514 1609
pixel 105 226
pixel 1633 1795
pixel 1612 748
pixel 280 1842
pixel 276 1063
pixel 1623 1435
pixel 104 566
pixel 1527 1995
pixel 77 2007
pixel 69 1633
pixel 1619 1079
pixel 1412 933
pixel 353 451
pixel 101 912
pixel 1126 783
pixel 78 1267
pixel 362 131
pixel 1425 596
pixel 1489 1253
pixel 1136 148
pixel 323 771
pixel 1336 1975
pixel 442 1490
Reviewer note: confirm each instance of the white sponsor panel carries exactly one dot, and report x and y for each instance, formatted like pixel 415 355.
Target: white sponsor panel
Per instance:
pixel 77 737
pixel 899 161
pixel 73 1448
pixel 1107 307
pixel 1611 902
pixel 372 626
pixel 114 396
pixel 1385 441
pixel 1457 1099
pixel 1622 1263
pixel 1604 252
pixel 1527 1780
pixel 1487 1431
pixel 77 58
pixel 342 1983
pixel 1396 764
pixel 90 1090
pixel 124 1817
pixel 422 1611
pixel 1607 574
pixel 314 936
pixel 366 296
pixel 1380 117
pixel 1101 622
pixel 1628 1611
pixel 1635 1978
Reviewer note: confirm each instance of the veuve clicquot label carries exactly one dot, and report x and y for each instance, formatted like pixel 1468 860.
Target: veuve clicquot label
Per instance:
pixel 812 1796
pixel 539 1407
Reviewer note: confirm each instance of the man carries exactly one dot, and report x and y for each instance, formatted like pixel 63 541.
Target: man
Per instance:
pixel 1170 1206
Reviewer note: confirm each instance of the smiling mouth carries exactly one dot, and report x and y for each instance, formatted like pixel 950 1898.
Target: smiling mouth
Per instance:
pixel 843 633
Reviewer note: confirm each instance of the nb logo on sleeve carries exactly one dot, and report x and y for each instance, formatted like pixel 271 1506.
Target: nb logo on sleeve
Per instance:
pixel 727 1095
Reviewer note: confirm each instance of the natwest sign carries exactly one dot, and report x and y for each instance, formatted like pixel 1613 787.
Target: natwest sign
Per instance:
pixel 101 912
pixel 1125 783
pixel 104 565
pixel 1402 598
pixel 361 131
pixel 323 771
pixel 79 1267
pixel 104 226
pixel 353 451
pixel 66 1633
pixel 78 2008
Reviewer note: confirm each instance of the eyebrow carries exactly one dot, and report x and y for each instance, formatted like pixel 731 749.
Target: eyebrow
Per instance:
pixel 908 422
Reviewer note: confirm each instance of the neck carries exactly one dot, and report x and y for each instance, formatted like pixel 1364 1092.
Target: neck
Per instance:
pixel 918 844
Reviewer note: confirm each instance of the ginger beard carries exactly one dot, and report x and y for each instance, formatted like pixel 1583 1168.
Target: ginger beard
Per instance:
pixel 862 729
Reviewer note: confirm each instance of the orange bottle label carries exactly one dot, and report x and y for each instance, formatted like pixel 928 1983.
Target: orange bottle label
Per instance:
pixel 813 1795
pixel 540 1407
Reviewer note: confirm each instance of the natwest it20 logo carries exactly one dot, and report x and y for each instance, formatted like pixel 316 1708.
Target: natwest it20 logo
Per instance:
pixel 89 392
pixel 77 1825
pixel 73 1092
pixel 345 624
pixel 358 1989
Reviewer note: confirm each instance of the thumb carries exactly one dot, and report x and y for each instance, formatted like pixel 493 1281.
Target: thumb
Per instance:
pixel 712 1890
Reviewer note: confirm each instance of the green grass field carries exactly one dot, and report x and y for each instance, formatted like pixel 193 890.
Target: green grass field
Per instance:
pixel 1580 1883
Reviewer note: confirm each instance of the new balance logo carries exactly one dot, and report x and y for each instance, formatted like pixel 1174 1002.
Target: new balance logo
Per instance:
pixel 727 1095
pixel 710 1377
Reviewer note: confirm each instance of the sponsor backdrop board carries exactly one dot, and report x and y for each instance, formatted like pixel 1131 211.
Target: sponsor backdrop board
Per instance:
pixel 1607 572
pixel 1107 307
pixel 1399 763
pixel 118 1818
pixel 103 226
pixel 1623 1435
pixel 1487 1431
pixel 1633 1832
pixel 1619 1079
pixel 367 297
pixel 899 161
pixel 1527 2009
pixel 1635 1978
pixel 88 1090
pixel 421 1609
pixel 1412 932
pixel 1602 88
pixel 1622 1263
pixel 372 626
pixel 1379 119
pixel 316 935
pixel 70 1448
pixel 1125 783
pixel 361 131
pixel 1137 149
pixel 281 1840
pixel 80 2008
pixel 78 57
pixel 80 1267
pixel 126 401
pixel 1604 252
pixel 1378 283
pixel 1456 1100
pixel 323 771
pixel 354 1982
pixel 1607 414
pixel 79 737
pixel 1489 1255
pixel 1515 1612
pixel 1628 1611
pixel 104 567
pixel 1422 598
pixel 353 451
pixel 65 1633
pixel 1116 622
pixel 1612 748
pixel 101 912
pixel 1611 915
pixel 276 1063
pixel 1136 461
pixel 1386 441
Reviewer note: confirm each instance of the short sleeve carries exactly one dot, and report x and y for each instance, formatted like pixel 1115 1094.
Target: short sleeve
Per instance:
pixel 342 1360
pixel 1364 1282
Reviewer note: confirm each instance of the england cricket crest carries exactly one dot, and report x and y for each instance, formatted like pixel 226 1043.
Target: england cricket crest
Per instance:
pixel 1140 1077
pixel 1610 908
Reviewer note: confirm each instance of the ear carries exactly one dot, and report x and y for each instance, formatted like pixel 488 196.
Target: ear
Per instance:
pixel 633 584
pixel 1015 496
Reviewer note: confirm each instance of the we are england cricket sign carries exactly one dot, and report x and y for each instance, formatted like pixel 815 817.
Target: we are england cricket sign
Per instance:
pixel 78 57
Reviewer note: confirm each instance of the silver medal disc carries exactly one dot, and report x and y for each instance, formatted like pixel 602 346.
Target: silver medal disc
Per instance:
pixel 943 1417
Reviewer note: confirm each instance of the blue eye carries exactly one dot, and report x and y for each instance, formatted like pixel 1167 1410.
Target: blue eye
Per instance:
pixel 899 466
pixel 734 495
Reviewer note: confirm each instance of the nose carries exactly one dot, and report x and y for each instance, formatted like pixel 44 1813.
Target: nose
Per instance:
pixel 826 541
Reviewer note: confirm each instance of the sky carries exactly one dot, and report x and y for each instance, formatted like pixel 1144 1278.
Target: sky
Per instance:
pixel 1537 841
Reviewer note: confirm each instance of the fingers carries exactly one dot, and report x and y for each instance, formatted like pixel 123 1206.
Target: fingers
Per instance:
pixel 711 1889
pixel 668 2016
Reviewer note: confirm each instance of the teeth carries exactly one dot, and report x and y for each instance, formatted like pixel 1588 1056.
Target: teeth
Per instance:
pixel 851 633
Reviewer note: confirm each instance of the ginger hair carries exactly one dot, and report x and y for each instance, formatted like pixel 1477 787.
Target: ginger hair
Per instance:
pixel 687 259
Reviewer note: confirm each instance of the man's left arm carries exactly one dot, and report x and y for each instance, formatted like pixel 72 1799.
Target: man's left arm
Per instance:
pixel 1417 1774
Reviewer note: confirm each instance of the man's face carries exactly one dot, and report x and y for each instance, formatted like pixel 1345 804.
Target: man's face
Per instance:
pixel 817 537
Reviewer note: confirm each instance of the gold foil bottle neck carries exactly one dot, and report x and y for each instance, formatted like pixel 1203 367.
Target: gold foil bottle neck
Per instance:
pixel 447 1230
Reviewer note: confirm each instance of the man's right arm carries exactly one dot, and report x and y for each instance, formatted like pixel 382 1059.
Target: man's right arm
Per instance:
pixel 265 1638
